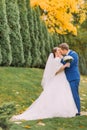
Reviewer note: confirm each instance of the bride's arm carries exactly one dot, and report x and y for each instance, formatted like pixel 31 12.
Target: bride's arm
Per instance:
pixel 62 68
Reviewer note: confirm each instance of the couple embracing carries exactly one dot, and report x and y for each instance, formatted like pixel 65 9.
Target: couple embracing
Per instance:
pixel 60 95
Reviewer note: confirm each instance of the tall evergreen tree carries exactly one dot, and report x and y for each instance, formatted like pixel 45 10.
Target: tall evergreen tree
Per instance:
pixel 25 31
pixel 82 37
pixel 56 39
pixel 33 40
pixel 0 56
pixel 31 29
pixel 36 47
pixel 82 51
pixel 15 36
pixel 34 50
pixel 46 39
pixel 52 45
pixel 4 36
pixel 42 44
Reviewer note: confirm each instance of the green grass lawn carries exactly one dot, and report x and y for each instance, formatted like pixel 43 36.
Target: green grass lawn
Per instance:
pixel 22 86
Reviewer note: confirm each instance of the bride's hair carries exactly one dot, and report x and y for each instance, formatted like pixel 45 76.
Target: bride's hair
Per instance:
pixel 54 50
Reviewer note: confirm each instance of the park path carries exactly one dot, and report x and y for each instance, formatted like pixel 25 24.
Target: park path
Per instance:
pixel 84 113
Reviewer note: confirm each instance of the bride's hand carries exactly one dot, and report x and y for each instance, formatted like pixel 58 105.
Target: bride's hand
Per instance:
pixel 67 65
pixel 56 73
pixel 63 67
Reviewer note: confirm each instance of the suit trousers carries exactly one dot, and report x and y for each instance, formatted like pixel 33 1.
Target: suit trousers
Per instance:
pixel 75 92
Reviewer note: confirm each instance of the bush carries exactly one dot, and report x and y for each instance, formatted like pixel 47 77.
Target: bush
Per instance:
pixel 6 111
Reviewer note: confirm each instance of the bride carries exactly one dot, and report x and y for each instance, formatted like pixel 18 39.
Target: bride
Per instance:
pixel 56 98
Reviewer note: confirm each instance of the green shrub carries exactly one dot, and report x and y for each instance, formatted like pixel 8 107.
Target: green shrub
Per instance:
pixel 6 111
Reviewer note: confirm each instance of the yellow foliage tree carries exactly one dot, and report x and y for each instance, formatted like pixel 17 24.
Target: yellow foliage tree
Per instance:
pixel 61 16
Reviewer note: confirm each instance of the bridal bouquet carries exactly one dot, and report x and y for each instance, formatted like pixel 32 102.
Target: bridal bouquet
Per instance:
pixel 67 59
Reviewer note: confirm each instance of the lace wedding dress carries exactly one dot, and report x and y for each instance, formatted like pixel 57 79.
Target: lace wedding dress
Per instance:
pixel 55 100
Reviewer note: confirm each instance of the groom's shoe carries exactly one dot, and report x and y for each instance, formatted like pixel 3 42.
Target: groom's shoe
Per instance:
pixel 77 114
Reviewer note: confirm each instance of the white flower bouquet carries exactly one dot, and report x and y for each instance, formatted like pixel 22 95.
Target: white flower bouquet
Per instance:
pixel 67 59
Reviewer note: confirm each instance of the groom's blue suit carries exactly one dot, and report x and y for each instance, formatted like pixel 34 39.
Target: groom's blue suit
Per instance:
pixel 73 76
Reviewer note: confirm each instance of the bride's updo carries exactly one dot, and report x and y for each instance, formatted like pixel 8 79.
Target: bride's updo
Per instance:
pixel 54 51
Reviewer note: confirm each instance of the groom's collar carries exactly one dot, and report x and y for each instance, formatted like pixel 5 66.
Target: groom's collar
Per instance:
pixel 68 52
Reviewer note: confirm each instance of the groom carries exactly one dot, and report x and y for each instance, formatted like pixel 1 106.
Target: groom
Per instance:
pixel 72 73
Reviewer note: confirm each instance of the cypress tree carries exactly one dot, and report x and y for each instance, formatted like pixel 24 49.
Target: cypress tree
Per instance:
pixel 31 29
pixel 0 56
pixel 83 59
pixel 61 38
pixel 56 40
pixel 15 36
pixel 36 47
pixel 46 39
pixel 25 31
pixel 5 50
pixel 42 44
pixel 33 41
pixel 51 41
pixel 82 64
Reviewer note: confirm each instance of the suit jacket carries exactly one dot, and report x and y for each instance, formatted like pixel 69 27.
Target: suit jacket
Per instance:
pixel 72 73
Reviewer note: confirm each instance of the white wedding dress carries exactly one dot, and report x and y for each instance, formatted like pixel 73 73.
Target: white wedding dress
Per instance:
pixel 56 99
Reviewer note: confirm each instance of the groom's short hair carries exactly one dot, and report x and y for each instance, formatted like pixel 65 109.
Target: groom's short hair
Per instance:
pixel 64 46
